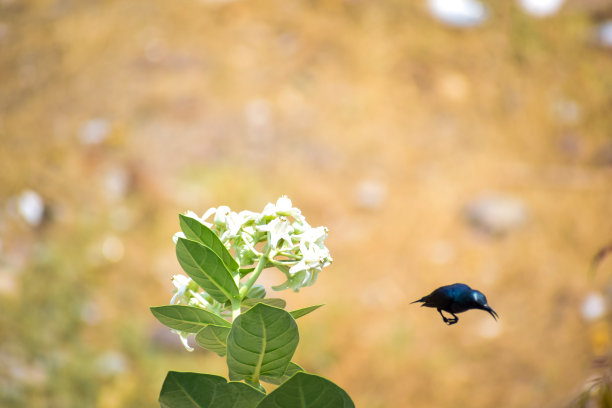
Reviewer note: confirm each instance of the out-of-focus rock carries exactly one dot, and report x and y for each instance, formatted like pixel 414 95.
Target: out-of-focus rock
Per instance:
pixel 111 363
pixel 566 112
pixel 458 13
pixel 31 207
pixel 603 155
pixel 570 144
pixel 91 313
pixel 116 183
pixel 113 249
pixel 370 194
pixel 604 34
pixel 496 214
pixel 23 372
pixel 259 126
pixel 541 8
pixel 598 9
pixel 95 131
pixel 258 117
pixel 593 307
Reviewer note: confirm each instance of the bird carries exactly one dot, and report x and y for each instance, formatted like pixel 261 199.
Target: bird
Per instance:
pixel 456 298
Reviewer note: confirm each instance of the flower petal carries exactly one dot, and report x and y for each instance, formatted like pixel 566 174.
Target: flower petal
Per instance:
pixel 178 235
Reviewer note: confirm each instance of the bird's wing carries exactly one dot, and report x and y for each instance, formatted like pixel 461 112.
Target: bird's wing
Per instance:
pixel 439 299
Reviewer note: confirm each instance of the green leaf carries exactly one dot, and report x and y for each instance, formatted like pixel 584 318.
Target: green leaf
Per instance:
pixel 196 231
pixel 304 311
pixel 188 319
pixel 307 391
pixel 236 395
pixel 213 338
pixel 245 271
pixel 261 343
pixel 256 292
pixel 206 269
pixel 292 368
pixel 193 390
pixel 189 390
pixel 249 303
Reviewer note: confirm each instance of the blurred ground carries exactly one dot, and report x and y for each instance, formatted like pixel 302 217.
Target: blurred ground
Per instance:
pixel 377 120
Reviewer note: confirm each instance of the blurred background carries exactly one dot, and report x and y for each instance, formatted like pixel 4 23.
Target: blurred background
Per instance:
pixel 439 141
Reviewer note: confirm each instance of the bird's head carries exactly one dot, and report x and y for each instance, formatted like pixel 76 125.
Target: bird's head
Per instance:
pixel 480 302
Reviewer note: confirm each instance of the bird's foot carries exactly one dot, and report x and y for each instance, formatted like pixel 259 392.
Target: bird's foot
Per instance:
pixel 450 322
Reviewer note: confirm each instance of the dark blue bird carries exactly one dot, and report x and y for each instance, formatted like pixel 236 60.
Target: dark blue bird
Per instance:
pixel 456 298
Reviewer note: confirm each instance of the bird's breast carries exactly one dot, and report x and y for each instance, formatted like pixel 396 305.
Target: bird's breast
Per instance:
pixel 457 307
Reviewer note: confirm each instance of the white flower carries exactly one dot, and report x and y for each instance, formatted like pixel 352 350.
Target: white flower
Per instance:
pixel 202 219
pixel 193 215
pixel 299 280
pixel 248 233
pixel 293 245
pixel 181 283
pixel 198 300
pixel 183 337
pixel 249 216
pixel 234 222
pixel 186 293
pixel 300 225
pixel 221 215
pixel 269 210
pixel 278 229
pixel 304 272
pixel 283 206
pixel 313 251
pixel 207 214
pixel 314 236
pixel 313 256
pixel 178 235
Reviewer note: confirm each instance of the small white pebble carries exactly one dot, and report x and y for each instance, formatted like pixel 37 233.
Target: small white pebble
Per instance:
pixel 541 8
pixel 31 207
pixel 90 313
pixel 593 306
pixel 94 131
pixel 111 363
pixel 116 183
pixel 604 34
pixel 458 13
pixel 370 194
pixel 112 248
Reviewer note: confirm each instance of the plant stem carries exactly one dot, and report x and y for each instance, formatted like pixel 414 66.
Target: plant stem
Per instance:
pixel 253 278
pixel 235 309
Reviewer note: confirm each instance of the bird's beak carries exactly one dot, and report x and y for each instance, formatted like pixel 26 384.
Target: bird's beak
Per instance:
pixel 491 312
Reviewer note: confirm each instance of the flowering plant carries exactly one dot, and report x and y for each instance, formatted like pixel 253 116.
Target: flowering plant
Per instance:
pixel 220 303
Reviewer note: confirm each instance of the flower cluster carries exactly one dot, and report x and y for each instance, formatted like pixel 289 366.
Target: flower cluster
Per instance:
pixel 280 236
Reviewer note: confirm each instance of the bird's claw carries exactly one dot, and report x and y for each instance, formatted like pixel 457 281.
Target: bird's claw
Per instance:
pixel 450 322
